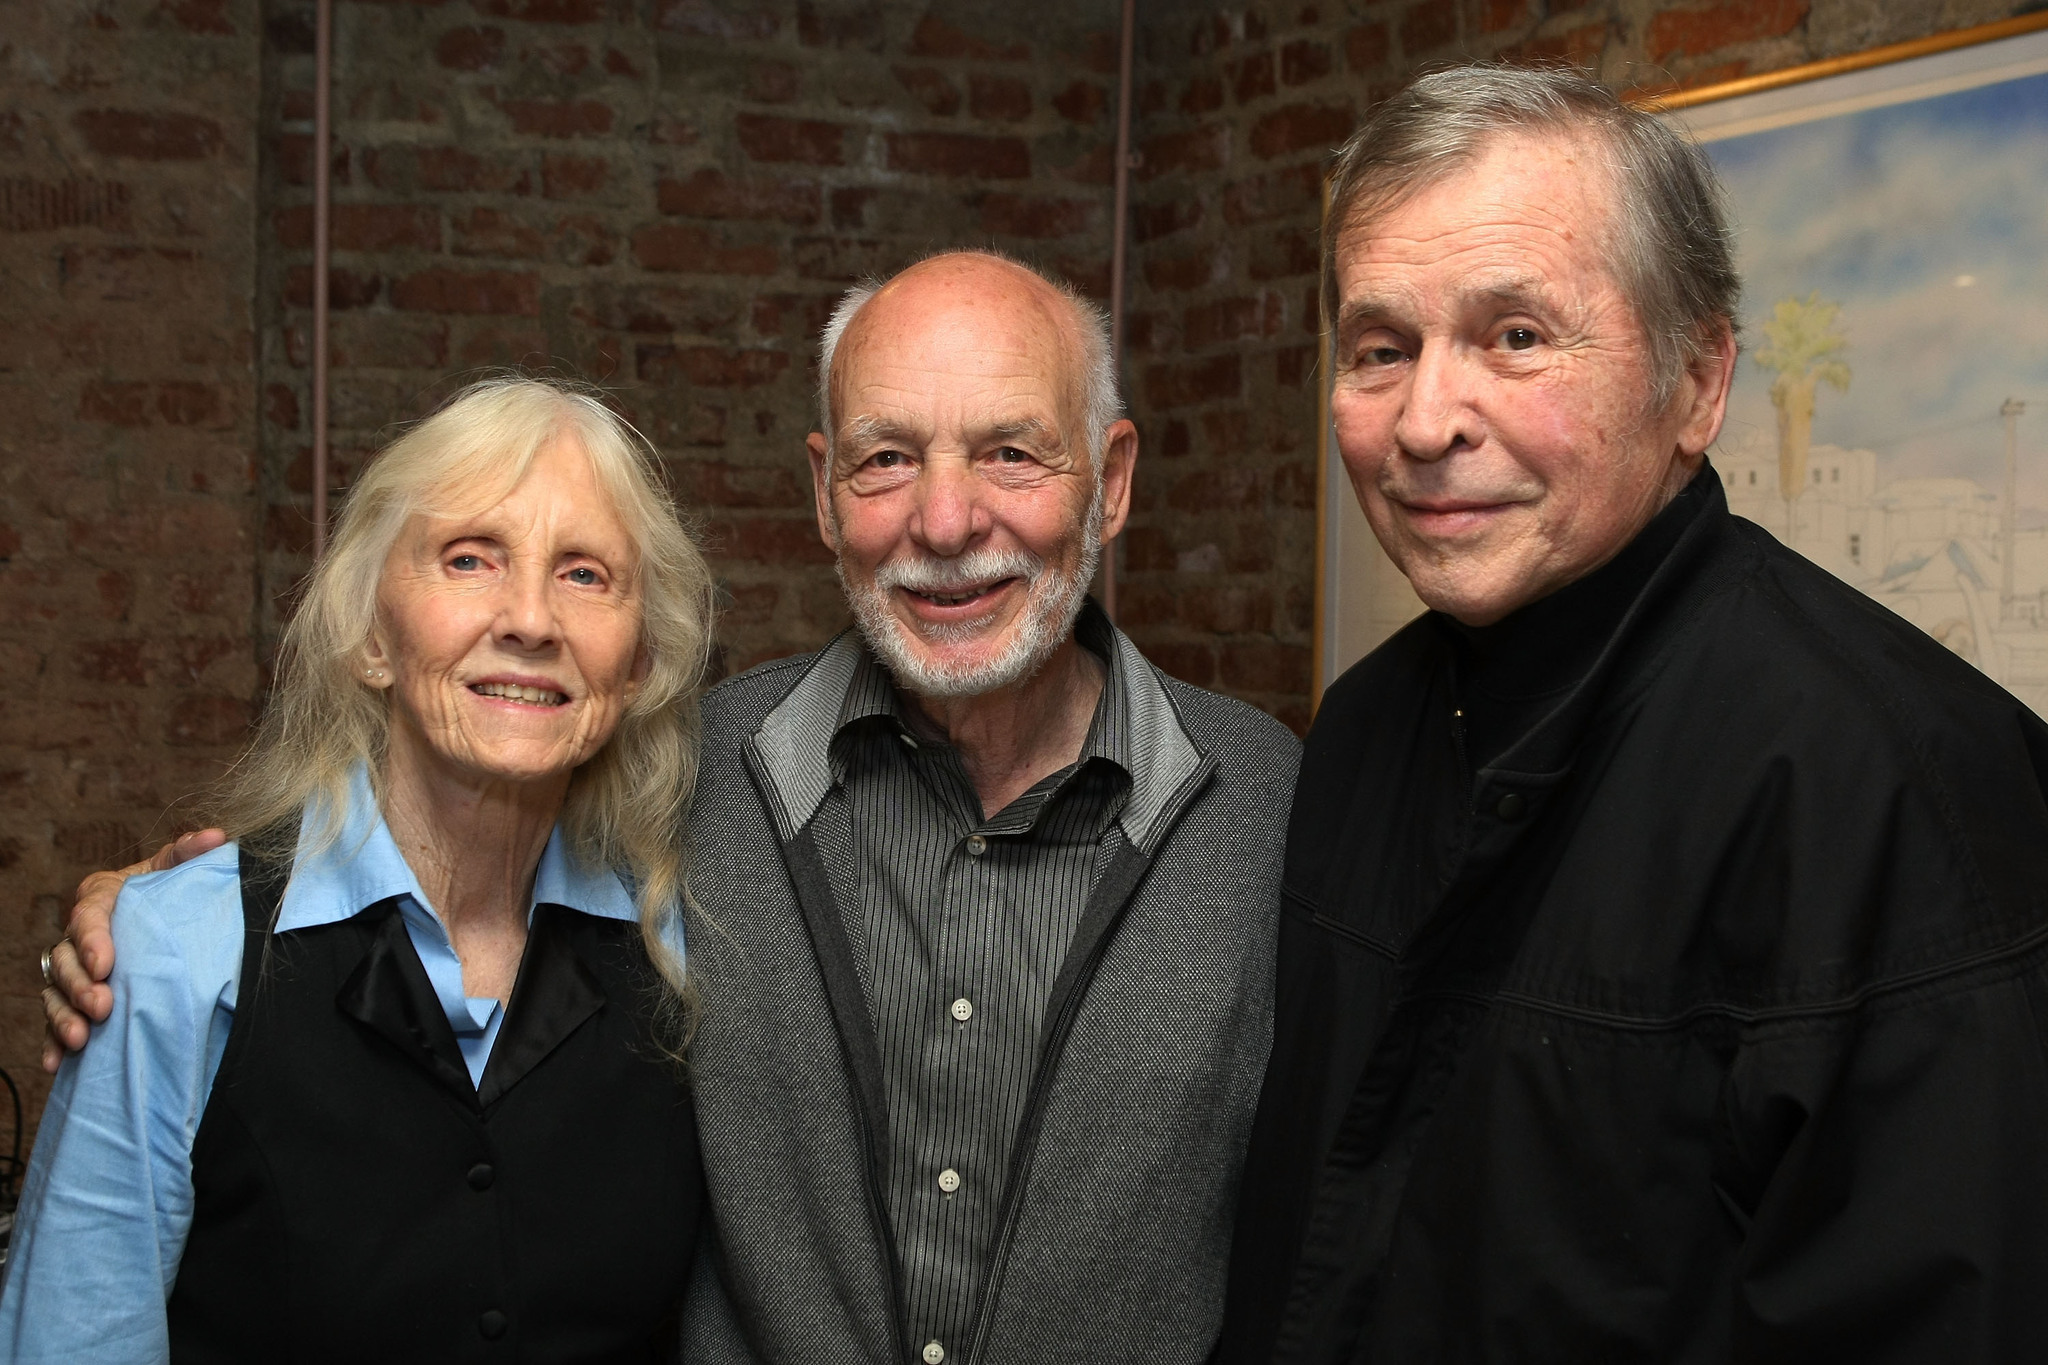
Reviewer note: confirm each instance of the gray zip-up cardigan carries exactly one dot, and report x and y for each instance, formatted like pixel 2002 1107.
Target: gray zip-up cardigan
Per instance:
pixel 1116 1217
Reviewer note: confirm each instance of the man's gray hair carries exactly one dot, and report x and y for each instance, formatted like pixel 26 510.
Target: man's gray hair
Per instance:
pixel 1673 249
pixel 1101 397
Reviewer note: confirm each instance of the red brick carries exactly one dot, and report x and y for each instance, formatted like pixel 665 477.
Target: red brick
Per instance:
pixel 712 483
pixel 930 87
pixel 1196 268
pixel 1367 47
pixel 1240 319
pixel 493 232
pixel 1293 193
pixel 1197 149
pixel 1498 15
pixel 800 316
pixel 1228 432
pixel 95 843
pixel 709 366
pixel 1228 611
pixel 209 720
pixel 674 246
pixel 1294 485
pixel 1083 102
pixel 1200 381
pixel 118 404
pixel 768 540
pixel 766 137
pixel 345 288
pixel 563 59
pixel 567 176
pixel 186 404
pixel 1150 222
pixel 1229 488
pixel 772 82
pixel 713 194
pixel 1191 662
pixel 1017 215
pixel 709 19
pixel 1298 127
pixel 295 160
pixel 119 662
pixel 934 37
pixel 1252 78
pixel 1294 365
pixel 470 49
pixel 468 291
pixel 1204 95
pixel 1100 52
pixel 965 155
pixel 1691 32
pixel 364 227
pixel 839 25
pixel 1304 61
pixel 1427 25
pixel 147 136
pixel 544 11
pixel 1282 253
pixel 559 118
pixel 1175 441
pixel 445 168
pixel 53 206
pixel 1580 46
pixel 1264 666
pixel 199 16
pixel 583 239
pixel 502 345
pixel 658 308
pixel 1003 98
pixel 281 406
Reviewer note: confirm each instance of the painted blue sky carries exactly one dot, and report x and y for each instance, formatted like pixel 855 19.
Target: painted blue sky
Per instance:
pixel 1887 212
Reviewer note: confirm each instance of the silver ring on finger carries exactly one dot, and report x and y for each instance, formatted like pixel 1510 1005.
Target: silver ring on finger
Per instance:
pixel 48 979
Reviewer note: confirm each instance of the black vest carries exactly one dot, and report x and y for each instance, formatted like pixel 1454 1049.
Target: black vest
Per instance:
pixel 358 1199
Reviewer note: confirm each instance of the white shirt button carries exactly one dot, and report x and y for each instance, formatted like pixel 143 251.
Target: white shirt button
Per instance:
pixel 908 742
pixel 949 1180
pixel 963 1009
pixel 976 845
pixel 933 1353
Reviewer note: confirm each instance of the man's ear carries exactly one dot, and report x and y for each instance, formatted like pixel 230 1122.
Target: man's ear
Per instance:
pixel 821 487
pixel 1119 466
pixel 1709 374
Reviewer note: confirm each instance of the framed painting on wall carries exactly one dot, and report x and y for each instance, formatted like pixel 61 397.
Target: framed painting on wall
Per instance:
pixel 1890 414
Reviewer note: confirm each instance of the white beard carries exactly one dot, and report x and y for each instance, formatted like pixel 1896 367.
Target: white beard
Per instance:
pixel 1052 601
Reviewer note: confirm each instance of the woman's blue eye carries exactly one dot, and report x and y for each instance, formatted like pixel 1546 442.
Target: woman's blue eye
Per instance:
pixel 587 577
pixel 464 563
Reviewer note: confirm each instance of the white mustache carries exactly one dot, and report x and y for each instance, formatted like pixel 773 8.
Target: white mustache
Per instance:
pixel 943 577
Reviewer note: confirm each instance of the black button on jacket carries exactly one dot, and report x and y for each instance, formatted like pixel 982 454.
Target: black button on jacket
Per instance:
pixel 1704 1022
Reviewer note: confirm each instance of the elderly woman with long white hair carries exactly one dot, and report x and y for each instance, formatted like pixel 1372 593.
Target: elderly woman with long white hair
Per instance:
pixel 394 1075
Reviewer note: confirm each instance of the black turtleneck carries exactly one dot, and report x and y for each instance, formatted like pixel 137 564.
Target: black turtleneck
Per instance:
pixel 1511 674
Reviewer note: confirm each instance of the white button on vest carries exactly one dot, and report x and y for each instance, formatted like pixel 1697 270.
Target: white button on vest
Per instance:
pixel 963 1009
pixel 933 1353
pixel 949 1180
pixel 976 845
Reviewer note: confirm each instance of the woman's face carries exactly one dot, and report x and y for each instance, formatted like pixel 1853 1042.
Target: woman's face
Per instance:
pixel 510 638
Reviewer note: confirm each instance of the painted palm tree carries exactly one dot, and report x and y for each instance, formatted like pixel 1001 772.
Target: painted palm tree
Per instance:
pixel 1805 346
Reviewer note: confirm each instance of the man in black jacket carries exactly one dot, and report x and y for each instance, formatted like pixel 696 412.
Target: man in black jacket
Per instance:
pixel 1662 957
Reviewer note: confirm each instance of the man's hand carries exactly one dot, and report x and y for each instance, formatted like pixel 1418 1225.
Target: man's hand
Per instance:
pixel 76 996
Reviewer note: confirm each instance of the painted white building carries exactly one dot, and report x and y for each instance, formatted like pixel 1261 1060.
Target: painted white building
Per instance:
pixel 1929 549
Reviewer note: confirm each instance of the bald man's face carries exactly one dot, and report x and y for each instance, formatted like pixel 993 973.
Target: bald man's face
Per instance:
pixel 960 496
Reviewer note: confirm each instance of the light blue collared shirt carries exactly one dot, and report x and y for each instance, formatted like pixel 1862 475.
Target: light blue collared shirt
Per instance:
pixel 108 1200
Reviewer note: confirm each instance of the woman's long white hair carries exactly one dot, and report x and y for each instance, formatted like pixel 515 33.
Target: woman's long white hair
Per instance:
pixel 625 805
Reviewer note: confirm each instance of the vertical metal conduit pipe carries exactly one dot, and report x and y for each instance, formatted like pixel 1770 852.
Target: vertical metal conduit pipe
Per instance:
pixel 1117 251
pixel 323 165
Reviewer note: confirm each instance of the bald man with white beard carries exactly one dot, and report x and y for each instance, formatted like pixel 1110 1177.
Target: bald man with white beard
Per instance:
pixel 986 904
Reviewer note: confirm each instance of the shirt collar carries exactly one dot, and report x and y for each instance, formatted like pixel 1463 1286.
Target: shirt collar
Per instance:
pixel 871 694
pixel 363 866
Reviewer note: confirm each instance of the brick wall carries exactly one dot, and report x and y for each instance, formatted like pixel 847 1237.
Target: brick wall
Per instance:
pixel 128 450
pixel 664 195
pixel 1239 109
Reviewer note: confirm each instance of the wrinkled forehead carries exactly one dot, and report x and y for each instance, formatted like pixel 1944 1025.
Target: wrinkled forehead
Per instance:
pixel 957 343
pixel 1555 184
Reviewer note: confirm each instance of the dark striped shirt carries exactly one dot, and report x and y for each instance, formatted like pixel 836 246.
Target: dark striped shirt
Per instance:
pixel 960 925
